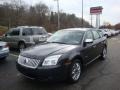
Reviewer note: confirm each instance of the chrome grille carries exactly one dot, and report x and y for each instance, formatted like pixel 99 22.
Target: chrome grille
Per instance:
pixel 28 62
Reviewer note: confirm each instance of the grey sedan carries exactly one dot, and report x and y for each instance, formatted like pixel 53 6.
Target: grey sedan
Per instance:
pixel 4 50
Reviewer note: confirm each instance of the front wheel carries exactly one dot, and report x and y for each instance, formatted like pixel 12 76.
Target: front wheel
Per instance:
pixel 75 72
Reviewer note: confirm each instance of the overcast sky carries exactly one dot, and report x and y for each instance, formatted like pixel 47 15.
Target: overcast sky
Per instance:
pixel 111 11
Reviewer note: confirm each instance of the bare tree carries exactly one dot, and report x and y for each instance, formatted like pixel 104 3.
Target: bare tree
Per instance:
pixel 16 13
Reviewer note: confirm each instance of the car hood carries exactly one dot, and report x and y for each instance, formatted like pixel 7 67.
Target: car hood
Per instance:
pixel 47 49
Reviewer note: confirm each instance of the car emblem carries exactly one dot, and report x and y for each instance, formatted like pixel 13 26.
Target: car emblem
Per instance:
pixel 26 60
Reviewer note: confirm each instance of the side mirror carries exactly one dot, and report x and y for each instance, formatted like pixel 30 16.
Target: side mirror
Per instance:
pixel 88 41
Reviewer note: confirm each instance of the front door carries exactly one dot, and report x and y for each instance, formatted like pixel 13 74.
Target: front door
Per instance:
pixel 88 49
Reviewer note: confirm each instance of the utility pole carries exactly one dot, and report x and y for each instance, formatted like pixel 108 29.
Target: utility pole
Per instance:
pixel 58 14
pixel 91 20
pixel 82 14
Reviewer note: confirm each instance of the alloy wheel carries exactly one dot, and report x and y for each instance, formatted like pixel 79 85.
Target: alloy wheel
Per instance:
pixel 76 71
pixel 104 53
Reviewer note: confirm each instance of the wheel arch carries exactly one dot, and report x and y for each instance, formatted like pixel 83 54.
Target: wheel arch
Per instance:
pixel 21 41
pixel 78 57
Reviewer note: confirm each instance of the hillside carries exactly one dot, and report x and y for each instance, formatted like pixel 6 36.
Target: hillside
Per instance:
pixel 3 30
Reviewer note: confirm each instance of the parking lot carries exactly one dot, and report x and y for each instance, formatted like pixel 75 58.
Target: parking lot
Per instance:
pixel 102 75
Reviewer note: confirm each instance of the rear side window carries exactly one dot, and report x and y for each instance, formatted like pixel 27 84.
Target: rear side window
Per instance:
pixel 39 31
pixel 89 35
pixel 14 32
pixel 27 32
pixel 101 33
pixel 96 35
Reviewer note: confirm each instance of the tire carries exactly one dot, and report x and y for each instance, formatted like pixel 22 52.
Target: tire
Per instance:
pixel 21 46
pixel 75 72
pixel 4 58
pixel 106 35
pixel 104 54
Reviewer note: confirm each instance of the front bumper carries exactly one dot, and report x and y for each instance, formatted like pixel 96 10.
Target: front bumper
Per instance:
pixel 4 52
pixel 53 73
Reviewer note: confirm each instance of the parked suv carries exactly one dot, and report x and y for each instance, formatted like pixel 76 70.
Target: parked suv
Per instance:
pixel 24 36
pixel 63 55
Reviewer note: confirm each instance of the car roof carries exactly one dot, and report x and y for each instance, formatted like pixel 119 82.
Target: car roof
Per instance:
pixel 29 27
pixel 101 29
pixel 79 29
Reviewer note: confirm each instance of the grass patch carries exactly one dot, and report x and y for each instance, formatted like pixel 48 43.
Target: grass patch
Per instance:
pixel 3 30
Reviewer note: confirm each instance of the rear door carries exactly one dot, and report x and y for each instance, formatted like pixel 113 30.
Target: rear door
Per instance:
pixel 39 35
pixel 97 43
pixel 27 35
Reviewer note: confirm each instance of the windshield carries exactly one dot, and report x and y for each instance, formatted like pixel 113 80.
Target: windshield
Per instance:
pixel 67 37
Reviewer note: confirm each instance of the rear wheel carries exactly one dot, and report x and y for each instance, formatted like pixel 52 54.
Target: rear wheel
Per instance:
pixel 104 54
pixel 75 71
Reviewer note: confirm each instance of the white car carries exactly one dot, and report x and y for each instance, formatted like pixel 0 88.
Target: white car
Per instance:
pixel 107 32
pixel 117 32
pixel 113 33
pixel 4 50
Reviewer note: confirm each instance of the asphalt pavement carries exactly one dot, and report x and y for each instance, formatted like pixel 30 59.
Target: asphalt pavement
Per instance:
pixel 100 75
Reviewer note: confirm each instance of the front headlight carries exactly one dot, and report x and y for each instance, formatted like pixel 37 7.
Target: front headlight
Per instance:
pixel 51 60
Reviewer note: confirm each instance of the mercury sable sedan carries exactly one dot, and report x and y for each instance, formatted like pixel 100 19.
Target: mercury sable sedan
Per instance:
pixel 63 56
pixel 4 50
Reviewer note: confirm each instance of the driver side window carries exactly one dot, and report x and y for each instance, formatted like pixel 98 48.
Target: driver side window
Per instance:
pixel 96 35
